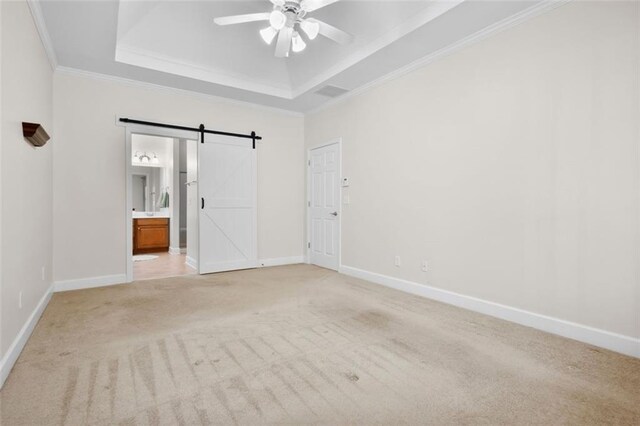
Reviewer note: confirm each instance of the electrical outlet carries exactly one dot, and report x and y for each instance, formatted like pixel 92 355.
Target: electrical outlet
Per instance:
pixel 425 266
pixel 397 261
pixel 346 199
pixel 20 300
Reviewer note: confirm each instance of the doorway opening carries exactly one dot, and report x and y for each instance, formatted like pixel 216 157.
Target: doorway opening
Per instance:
pixel 163 172
pixel 218 170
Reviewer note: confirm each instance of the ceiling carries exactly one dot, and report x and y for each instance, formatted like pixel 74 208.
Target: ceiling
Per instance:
pixel 176 44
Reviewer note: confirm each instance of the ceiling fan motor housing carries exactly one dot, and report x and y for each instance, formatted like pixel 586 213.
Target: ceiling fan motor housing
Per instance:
pixel 293 11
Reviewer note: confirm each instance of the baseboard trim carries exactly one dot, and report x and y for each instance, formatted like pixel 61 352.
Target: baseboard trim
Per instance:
pixel 191 262
pixel 177 250
pixel 280 261
pixel 10 358
pixel 605 339
pixel 91 282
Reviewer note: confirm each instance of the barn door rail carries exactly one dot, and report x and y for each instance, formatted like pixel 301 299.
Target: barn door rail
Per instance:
pixel 201 129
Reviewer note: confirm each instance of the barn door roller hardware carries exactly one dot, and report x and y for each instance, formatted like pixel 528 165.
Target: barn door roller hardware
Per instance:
pixel 201 129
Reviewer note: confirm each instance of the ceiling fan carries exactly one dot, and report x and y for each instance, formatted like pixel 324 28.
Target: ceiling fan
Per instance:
pixel 286 20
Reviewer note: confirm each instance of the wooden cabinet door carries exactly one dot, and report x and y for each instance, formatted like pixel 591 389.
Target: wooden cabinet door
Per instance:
pixel 150 235
pixel 153 236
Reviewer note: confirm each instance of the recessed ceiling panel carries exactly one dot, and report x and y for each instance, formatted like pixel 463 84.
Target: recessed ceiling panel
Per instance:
pixel 181 38
pixel 176 43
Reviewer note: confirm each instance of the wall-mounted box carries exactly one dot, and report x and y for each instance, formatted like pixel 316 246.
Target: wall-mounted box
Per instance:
pixel 34 133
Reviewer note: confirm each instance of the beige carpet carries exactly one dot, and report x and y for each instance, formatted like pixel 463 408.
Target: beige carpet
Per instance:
pixel 300 344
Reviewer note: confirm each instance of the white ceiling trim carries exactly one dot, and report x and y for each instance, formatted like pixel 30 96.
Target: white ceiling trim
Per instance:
pixel 172 90
pixel 142 58
pixel 429 14
pixel 38 19
pixel 514 20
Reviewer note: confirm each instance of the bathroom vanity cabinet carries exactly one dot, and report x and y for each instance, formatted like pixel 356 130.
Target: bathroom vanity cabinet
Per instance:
pixel 150 235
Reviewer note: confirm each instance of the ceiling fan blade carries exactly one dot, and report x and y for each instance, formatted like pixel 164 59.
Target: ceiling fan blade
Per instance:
pixel 241 19
pixel 332 32
pixel 277 2
pixel 284 42
pixel 311 5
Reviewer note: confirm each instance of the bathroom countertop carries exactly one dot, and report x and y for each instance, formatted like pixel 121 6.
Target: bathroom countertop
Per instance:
pixel 146 216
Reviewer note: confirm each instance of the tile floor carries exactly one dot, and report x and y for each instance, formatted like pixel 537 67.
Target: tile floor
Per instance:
pixel 166 265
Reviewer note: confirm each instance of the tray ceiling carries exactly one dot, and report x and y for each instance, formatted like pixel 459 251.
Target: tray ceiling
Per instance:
pixel 177 44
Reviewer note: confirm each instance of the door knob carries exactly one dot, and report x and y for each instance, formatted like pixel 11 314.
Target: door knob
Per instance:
pixel 334 214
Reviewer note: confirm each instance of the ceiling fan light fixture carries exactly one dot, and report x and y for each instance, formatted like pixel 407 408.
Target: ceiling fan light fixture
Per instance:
pixel 288 24
pixel 268 34
pixel 277 19
pixel 310 28
pixel 297 43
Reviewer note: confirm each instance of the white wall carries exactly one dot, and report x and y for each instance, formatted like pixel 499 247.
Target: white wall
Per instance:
pixel 512 166
pixel 89 169
pixel 25 172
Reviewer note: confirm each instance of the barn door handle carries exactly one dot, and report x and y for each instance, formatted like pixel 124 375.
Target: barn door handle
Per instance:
pixel 202 202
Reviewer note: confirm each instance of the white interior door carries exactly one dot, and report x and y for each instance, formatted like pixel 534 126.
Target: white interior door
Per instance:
pixel 227 187
pixel 324 206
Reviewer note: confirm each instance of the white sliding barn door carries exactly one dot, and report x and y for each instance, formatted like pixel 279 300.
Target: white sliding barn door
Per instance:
pixel 227 186
pixel 324 206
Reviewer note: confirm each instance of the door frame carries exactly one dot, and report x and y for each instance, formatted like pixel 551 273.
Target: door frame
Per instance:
pixel 140 129
pixel 336 141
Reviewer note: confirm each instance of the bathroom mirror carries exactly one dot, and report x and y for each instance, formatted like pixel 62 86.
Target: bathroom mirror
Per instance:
pixel 148 186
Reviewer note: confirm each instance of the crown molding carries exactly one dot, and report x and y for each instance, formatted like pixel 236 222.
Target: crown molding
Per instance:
pixel 172 90
pixel 511 21
pixel 433 11
pixel 38 19
pixel 521 17
pixel 142 58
